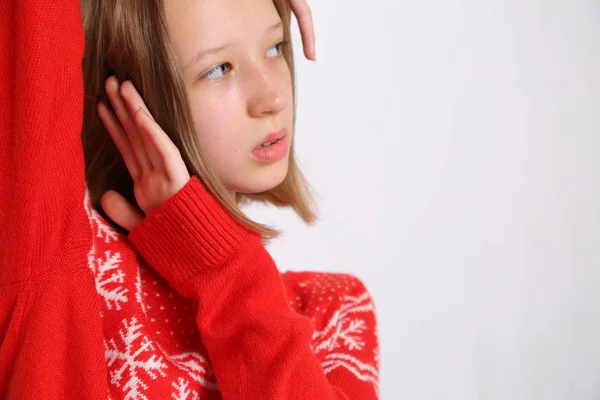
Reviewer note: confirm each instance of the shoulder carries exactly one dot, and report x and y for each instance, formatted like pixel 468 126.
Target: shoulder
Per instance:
pixel 325 296
pixel 323 286
pixel 346 332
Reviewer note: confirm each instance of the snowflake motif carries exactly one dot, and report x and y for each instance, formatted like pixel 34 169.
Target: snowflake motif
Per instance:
pixel 131 359
pixel 107 274
pixel 344 332
pixel 182 392
pixel 363 371
pixel 105 231
pixel 105 285
pixel 347 331
pixel 196 367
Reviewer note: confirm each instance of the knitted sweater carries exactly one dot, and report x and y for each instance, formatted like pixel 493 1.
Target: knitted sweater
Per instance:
pixel 189 305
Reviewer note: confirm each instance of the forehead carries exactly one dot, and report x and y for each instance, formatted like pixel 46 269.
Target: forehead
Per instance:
pixel 215 22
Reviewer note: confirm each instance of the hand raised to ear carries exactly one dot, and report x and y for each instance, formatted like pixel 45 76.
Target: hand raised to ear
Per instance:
pixel 152 159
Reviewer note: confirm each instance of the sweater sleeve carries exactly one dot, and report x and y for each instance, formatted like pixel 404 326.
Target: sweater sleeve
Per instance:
pixel 50 347
pixel 42 182
pixel 258 345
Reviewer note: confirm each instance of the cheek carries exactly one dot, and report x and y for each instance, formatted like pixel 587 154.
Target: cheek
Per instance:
pixel 216 125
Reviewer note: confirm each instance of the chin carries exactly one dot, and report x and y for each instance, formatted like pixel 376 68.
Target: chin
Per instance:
pixel 264 179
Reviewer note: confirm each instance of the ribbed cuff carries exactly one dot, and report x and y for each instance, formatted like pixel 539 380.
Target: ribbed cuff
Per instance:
pixel 188 234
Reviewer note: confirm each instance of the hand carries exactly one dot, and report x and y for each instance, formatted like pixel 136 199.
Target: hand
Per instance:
pixel 153 160
pixel 303 14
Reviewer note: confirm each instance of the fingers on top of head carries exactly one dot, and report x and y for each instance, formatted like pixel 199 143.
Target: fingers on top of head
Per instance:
pixel 304 16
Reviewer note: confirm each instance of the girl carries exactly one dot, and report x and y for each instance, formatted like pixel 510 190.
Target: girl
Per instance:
pixel 148 282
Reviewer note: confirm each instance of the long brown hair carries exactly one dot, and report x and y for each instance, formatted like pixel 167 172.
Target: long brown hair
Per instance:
pixel 128 38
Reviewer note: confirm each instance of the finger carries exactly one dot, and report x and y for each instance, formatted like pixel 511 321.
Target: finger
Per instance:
pixel 121 211
pixel 118 135
pixel 167 154
pixel 305 21
pixel 135 104
pixel 137 144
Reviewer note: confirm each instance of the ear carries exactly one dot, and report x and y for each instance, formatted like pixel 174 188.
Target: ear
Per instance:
pixel 120 210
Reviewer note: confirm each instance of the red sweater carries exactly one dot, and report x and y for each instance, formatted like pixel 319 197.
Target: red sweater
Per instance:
pixel 189 305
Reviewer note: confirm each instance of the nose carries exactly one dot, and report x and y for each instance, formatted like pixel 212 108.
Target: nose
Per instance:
pixel 266 96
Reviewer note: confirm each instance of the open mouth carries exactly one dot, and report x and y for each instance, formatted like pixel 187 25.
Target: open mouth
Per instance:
pixel 267 144
pixel 272 150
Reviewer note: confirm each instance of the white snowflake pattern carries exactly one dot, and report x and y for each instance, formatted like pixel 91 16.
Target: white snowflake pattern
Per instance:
pixel 105 231
pixel 107 274
pixel 196 367
pixel 109 278
pixel 132 358
pixel 363 371
pixel 182 391
pixel 347 333
pixel 344 331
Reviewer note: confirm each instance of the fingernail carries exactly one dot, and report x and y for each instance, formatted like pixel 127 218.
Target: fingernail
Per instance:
pixel 140 108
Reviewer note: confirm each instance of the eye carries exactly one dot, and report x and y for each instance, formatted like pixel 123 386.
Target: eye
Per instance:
pixel 217 72
pixel 278 48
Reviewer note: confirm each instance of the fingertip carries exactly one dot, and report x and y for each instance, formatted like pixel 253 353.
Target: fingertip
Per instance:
pixel 123 88
pixel 101 110
pixel 105 199
pixel 111 84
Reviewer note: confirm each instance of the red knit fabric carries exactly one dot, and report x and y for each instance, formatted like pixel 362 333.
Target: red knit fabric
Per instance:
pixel 188 306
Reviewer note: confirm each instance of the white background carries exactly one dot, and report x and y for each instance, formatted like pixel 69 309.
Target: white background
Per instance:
pixel 455 149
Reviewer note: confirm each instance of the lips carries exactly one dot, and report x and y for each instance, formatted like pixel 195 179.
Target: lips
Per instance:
pixel 272 138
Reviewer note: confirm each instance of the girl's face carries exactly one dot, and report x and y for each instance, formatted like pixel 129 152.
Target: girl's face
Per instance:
pixel 239 86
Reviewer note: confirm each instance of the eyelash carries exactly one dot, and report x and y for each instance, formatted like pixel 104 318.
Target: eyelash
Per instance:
pixel 207 74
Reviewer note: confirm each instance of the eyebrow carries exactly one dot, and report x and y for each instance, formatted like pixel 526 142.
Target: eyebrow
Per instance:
pixel 203 53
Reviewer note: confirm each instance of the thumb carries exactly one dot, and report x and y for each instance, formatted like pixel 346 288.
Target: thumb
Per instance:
pixel 120 210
